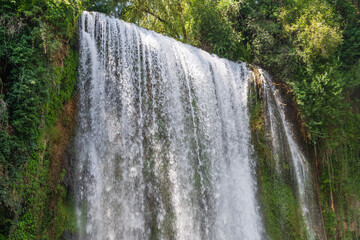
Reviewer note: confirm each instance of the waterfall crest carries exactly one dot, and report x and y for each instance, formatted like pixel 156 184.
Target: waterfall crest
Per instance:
pixel 163 145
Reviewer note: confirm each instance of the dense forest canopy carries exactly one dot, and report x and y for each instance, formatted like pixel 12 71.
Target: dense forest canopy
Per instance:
pixel 310 46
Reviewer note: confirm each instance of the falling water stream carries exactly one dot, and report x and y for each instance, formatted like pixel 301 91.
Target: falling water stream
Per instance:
pixel 163 144
pixel 281 131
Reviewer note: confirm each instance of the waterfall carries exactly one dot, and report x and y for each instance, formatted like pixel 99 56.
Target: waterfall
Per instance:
pixel 163 144
pixel 282 140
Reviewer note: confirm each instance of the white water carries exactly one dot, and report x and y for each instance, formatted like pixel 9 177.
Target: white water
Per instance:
pixel 281 130
pixel 163 145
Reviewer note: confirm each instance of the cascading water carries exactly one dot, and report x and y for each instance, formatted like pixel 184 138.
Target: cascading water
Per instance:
pixel 163 145
pixel 283 140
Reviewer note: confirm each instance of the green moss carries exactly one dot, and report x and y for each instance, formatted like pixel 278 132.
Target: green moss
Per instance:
pixel 64 219
pixel 280 205
pixel 37 76
pixel 36 196
pixel 65 78
pixel 339 190
pixel 35 216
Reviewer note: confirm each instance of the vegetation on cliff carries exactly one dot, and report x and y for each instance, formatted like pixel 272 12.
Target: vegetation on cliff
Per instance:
pixel 37 77
pixel 313 46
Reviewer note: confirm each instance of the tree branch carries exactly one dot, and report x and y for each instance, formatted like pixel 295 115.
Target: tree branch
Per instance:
pixel 148 11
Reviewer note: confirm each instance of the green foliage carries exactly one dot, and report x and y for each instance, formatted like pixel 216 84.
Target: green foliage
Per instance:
pixel 316 31
pixel 36 218
pixel 167 17
pixel 65 84
pixel 104 6
pixel 349 51
pixel 35 197
pixel 206 24
pixel 38 74
pixel 215 31
pixel 321 99
pixel 64 219
pixel 312 45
